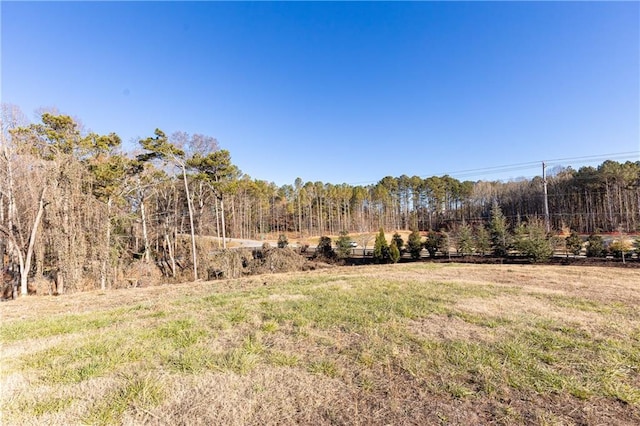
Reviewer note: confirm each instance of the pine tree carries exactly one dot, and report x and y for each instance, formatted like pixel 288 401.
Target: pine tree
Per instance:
pixel 394 253
pixel 574 243
pixel 498 231
pixel 324 249
pixel 531 241
pixel 482 241
pixel 343 245
pixel 398 240
pixel 443 243
pixel 433 243
pixel 381 248
pixel 595 246
pixel 464 240
pixel 414 244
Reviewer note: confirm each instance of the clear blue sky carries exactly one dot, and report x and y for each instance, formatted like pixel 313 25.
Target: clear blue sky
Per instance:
pixel 340 92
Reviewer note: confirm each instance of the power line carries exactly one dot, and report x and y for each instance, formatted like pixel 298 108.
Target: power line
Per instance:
pixel 530 165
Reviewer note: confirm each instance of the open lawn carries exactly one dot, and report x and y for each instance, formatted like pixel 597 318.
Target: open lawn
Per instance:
pixel 416 343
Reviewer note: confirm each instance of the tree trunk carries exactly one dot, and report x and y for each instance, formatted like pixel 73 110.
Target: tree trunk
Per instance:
pixel 105 256
pixel 224 237
pixel 26 263
pixel 145 235
pixel 193 236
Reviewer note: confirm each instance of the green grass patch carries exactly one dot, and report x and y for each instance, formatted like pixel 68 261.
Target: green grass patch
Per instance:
pixel 283 359
pixel 45 405
pixel 326 367
pixel 587 305
pixel 239 361
pixel 64 324
pixel 96 356
pixel 134 391
pixel 181 333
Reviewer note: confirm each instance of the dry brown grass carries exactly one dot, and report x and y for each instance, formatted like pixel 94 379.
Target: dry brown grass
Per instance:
pixel 391 344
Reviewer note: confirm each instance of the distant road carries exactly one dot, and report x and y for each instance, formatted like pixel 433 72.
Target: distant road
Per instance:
pixel 238 242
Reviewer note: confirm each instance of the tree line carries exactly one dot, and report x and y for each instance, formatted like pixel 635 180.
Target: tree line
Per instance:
pixel 75 204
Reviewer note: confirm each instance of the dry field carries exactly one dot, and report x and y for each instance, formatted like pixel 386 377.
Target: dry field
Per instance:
pixel 401 344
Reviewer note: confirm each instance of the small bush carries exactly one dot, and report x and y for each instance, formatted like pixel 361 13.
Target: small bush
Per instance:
pixel 621 248
pixel 283 242
pixel 381 248
pixel 324 249
pixel 394 253
pixel 531 241
pixel 595 246
pixel 399 241
pixel 414 244
pixel 343 245
pixel 574 243
pixel 433 243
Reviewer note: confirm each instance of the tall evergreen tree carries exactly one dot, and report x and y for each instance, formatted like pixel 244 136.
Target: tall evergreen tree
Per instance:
pixel 433 243
pixel 498 231
pixel 464 241
pixel 343 245
pixel 381 248
pixel 398 240
pixel 482 240
pixel 414 244
pixel 394 253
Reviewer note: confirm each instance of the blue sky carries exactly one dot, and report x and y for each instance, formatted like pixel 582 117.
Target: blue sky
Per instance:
pixel 341 92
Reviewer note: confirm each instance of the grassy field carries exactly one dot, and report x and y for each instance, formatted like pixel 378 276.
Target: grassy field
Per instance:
pixel 400 344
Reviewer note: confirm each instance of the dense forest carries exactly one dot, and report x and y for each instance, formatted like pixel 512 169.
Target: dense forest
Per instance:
pixel 75 202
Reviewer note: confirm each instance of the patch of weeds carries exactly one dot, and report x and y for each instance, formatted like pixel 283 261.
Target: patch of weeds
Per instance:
pixel 257 388
pixel 67 324
pixel 136 391
pixel 586 305
pixel 525 369
pixel 69 366
pixel 417 366
pixel 44 405
pixel 216 300
pixel 158 314
pixel 269 327
pixel 366 359
pixel 366 383
pixel 481 320
pixel 237 361
pixel 506 414
pixel 181 333
pixel 253 345
pixel 140 307
pixel 282 359
pixel 237 315
pixel 191 360
pixel 95 357
pixel 458 390
pixel 622 392
pixel 282 312
pixel 325 367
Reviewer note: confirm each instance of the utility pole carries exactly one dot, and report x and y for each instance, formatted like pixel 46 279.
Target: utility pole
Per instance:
pixel 546 199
